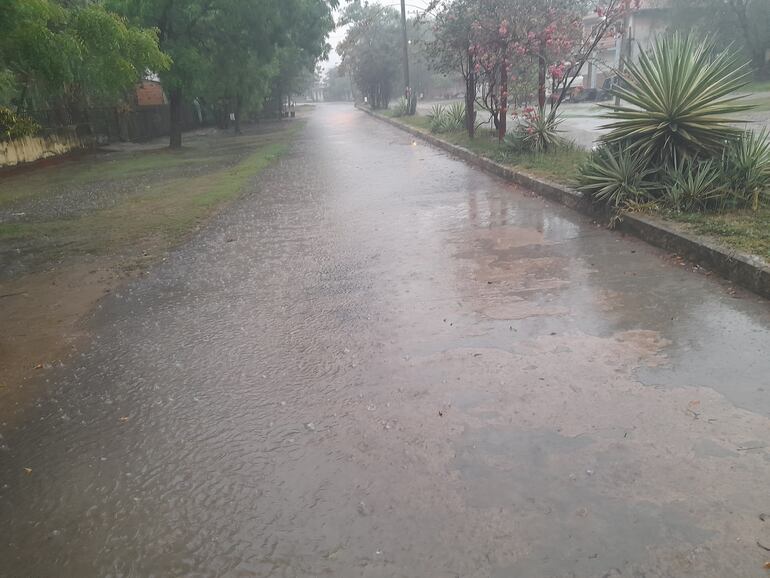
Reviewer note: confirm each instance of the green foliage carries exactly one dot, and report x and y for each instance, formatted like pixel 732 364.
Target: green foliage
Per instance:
pixel 536 132
pixel 692 186
pixel 447 118
pixel 62 55
pixel 235 52
pixel 371 50
pixel 13 126
pixel 455 116
pixel 616 177
pixel 337 85
pixel 437 118
pixel 679 98
pixel 745 168
pixel 401 107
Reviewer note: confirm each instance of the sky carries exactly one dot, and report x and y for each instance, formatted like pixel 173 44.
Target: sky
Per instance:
pixel 337 36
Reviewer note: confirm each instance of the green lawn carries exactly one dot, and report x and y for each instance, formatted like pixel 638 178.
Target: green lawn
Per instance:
pixel 559 166
pixel 746 231
pixel 186 187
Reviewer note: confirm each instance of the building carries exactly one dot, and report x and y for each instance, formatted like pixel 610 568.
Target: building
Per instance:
pixel 650 20
pixel 150 93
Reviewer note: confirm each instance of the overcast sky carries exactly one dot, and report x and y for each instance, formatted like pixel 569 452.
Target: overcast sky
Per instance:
pixel 339 34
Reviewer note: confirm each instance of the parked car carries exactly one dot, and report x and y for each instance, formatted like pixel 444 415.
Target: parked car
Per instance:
pixel 573 94
pixel 607 85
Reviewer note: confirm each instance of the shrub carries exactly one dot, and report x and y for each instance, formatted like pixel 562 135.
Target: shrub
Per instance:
pixel 401 107
pixel 616 177
pixel 679 96
pixel 745 168
pixel 438 118
pixel 535 132
pixel 455 116
pixel 692 185
pixel 447 119
pixel 13 126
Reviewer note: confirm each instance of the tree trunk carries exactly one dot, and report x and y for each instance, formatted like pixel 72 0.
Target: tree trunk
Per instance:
pixel 22 98
pixel 470 99
pixel 175 118
pixel 237 111
pixel 503 100
pixel 541 70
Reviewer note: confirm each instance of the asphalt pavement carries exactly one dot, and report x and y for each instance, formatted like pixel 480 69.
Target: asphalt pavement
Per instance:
pixel 383 362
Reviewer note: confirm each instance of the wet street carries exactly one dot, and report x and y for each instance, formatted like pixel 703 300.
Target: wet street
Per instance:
pixel 381 362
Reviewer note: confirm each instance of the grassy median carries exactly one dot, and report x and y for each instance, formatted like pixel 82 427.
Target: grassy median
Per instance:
pixel 559 168
pixel 747 231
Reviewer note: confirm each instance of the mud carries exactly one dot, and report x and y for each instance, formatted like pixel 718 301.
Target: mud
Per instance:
pixel 382 362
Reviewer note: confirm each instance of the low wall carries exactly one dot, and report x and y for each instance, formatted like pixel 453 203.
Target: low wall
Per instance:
pixel 34 148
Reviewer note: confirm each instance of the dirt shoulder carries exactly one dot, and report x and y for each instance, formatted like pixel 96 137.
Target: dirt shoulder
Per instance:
pixel 72 231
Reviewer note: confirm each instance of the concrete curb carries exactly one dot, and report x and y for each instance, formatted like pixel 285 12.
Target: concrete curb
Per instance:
pixel 748 271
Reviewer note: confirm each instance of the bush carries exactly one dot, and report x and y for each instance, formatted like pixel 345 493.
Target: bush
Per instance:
pixel 13 126
pixel 535 132
pixel 745 168
pixel 679 97
pixel 447 119
pixel 401 107
pixel 455 116
pixel 675 130
pixel 616 177
pixel 692 186
pixel 437 117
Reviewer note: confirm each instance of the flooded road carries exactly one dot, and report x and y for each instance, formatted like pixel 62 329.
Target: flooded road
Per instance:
pixel 382 362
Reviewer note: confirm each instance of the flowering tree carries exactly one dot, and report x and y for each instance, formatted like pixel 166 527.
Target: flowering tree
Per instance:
pixel 503 41
pixel 452 50
pixel 555 29
pixel 611 13
pixel 498 32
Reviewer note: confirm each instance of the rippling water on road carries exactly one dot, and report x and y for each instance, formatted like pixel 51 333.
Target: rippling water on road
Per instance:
pixel 382 362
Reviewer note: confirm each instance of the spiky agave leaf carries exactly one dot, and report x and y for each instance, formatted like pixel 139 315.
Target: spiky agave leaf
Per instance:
pixel 746 166
pixel 692 184
pixel 615 176
pixel 456 116
pixel 679 98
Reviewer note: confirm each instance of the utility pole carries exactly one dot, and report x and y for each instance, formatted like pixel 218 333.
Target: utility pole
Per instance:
pixel 626 48
pixel 407 89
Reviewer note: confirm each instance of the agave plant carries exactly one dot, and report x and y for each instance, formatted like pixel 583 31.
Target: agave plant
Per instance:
pixel 437 118
pixel 401 107
pixel 679 99
pixel 537 131
pixel 616 177
pixel 455 116
pixel 692 185
pixel 746 167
